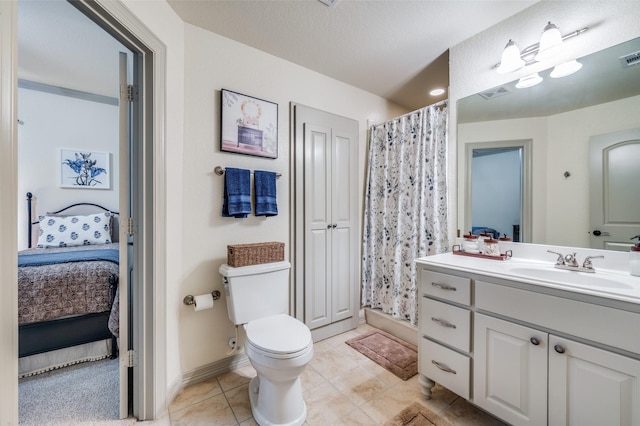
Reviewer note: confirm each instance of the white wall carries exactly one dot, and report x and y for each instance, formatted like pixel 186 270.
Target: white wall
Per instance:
pixel 213 62
pixel 559 143
pixel 51 122
pixel 471 62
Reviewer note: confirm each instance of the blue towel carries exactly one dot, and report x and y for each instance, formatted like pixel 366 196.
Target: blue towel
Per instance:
pixel 237 193
pixel 265 193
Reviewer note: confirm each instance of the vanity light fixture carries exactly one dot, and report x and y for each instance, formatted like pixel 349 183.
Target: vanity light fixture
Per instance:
pixel 565 69
pixel 551 41
pixel 529 81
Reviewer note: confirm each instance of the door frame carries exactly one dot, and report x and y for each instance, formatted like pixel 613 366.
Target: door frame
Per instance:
pixel 149 395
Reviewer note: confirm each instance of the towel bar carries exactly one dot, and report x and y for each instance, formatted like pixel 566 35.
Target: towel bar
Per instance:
pixel 220 171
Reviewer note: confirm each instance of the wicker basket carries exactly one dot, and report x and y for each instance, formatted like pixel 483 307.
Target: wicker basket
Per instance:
pixel 254 254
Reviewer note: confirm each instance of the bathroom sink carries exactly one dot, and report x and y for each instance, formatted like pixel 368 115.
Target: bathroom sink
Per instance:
pixel 597 279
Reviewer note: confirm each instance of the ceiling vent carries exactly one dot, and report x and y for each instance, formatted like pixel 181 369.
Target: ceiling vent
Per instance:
pixel 494 93
pixel 630 59
pixel 328 2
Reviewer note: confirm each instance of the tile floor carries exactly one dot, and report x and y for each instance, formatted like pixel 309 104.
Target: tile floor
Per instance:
pixel 340 385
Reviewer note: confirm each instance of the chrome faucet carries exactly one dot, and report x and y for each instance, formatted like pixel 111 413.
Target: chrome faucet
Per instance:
pixel 571 260
pixel 570 263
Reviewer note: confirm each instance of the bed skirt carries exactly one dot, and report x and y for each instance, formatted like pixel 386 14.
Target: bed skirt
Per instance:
pixel 41 363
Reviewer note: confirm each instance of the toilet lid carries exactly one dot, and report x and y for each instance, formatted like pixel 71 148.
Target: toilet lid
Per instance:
pixel 278 334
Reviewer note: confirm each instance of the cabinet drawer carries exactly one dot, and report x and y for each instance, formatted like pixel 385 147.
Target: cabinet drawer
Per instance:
pixel 448 287
pixel 457 379
pixel 446 323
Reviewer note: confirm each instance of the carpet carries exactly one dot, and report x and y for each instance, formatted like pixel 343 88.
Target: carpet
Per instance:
pixel 417 415
pixel 396 355
pixel 86 393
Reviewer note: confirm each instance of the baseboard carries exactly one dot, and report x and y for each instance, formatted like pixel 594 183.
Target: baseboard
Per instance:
pixel 206 372
pixel 401 329
pixel 334 329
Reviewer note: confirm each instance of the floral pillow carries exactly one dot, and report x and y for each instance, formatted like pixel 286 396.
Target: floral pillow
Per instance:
pixel 67 231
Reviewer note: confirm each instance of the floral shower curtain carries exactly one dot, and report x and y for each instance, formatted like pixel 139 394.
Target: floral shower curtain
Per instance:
pixel 405 208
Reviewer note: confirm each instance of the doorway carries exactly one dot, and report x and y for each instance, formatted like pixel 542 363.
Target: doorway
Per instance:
pixel 498 189
pixel 148 191
pixel 68 102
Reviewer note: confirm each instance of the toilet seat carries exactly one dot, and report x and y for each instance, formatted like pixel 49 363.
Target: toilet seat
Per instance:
pixel 279 336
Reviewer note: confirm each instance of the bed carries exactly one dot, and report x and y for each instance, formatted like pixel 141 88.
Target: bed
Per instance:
pixel 67 288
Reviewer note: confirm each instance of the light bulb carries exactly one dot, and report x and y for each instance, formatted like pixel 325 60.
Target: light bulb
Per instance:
pixel 529 81
pixel 511 60
pixel 565 69
pixel 550 42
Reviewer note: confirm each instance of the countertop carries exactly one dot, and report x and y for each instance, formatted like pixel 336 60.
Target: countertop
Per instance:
pixel 532 264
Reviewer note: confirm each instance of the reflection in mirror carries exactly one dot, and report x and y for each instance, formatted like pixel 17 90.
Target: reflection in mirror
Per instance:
pixel 559 116
pixel 496 176
pixel 499 181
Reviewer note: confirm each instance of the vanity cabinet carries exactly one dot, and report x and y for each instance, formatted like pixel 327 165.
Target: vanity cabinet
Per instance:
pixel 530 356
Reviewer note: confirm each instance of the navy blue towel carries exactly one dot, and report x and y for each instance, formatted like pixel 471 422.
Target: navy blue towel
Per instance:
pixel 237 193
pixel 265 193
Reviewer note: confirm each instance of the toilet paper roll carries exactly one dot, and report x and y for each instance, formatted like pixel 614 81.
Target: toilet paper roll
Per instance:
pixel 202 302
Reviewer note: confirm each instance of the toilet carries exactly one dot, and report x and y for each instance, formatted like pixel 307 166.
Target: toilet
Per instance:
pixel 278 345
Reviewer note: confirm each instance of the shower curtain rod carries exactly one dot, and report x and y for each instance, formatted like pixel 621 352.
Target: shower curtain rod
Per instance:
pixel 437 104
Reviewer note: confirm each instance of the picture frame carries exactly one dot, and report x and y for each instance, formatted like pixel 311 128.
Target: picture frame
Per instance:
pixel 248 125
pixel 85 169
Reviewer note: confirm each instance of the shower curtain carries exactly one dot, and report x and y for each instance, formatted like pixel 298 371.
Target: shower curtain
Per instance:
pixel 405 207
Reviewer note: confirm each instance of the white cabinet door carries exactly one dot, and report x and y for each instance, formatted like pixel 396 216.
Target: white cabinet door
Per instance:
pixel 330 202
pixel 590 386
pixel 318 226
pixel 510 371
pixel 343 194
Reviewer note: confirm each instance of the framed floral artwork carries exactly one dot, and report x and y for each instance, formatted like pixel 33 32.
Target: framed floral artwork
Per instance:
pixel 85 169
pixel 248 125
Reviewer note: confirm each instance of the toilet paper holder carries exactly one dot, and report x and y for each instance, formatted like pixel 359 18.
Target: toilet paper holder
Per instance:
pixel 190 300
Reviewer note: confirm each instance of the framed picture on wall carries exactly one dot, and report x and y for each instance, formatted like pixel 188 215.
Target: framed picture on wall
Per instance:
pixel 248 125
pixel 85 169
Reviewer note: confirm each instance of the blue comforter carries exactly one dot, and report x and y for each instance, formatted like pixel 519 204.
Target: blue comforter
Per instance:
pixel 39 259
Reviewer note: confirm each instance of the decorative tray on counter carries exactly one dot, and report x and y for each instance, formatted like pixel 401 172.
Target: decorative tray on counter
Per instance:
pixel 503 256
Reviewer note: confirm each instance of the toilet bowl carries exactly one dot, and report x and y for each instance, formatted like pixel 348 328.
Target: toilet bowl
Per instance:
pixel 277 345
pixel 276 392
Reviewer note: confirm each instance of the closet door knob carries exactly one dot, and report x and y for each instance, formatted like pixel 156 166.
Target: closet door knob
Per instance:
pixel 559 349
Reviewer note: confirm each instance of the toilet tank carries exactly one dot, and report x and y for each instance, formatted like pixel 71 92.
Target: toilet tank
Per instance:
pixel 256 291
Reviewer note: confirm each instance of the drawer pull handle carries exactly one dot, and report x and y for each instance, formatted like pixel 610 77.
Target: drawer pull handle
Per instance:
pixel 443 322
pixel 443 286
pixel 559 349
pixel 535 341
pixel 443 368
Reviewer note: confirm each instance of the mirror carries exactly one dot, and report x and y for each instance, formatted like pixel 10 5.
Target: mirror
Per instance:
pixel 559 116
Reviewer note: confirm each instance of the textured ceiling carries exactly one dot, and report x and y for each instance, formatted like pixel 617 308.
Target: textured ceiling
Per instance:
pixel 397 49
